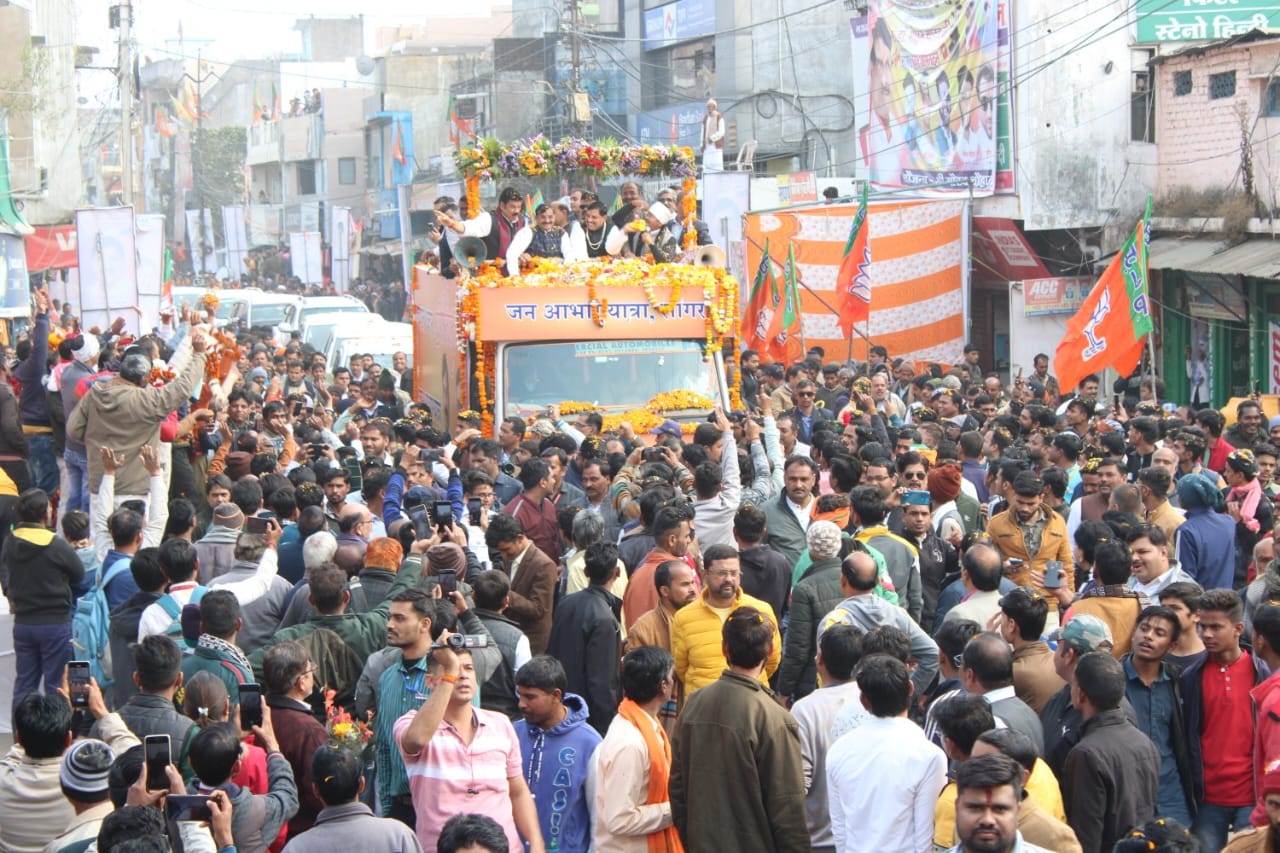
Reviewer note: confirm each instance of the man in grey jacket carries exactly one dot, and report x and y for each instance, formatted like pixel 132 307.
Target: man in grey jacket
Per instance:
pixel 261 615
pixel 345 823
pixel 864 610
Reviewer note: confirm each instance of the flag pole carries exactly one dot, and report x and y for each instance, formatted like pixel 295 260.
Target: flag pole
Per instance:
pixel 810 290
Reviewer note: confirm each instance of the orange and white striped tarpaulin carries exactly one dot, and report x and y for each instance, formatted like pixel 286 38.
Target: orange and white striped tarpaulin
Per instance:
pixel 918 258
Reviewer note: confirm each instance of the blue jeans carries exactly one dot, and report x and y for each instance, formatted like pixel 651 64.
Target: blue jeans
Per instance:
pixel 40 651
pixel 42 463
pixel 1213 823
pixel 77 496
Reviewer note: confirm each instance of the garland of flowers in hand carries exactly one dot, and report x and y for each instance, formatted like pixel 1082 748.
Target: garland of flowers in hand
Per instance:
pixel 688 207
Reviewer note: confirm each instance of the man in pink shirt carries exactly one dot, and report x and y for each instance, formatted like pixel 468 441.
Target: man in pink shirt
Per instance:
pixel 461 759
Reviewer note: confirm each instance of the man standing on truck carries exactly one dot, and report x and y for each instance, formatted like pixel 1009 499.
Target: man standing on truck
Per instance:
pixel 496 229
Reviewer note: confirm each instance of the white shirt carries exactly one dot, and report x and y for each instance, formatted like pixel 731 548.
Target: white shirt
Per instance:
pixel 156 621
pixel 882 785
pixel 801 513
pixel 816 716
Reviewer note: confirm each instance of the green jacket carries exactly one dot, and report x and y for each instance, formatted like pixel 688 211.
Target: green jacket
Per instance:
pixel 364 633
pixel 208 660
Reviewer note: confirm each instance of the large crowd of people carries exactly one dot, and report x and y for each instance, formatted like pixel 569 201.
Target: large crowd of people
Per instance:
pixel 874 610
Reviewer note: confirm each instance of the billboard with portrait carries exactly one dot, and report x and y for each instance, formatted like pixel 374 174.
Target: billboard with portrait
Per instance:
pixel 932 102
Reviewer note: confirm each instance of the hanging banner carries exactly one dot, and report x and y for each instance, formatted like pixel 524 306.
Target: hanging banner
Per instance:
pixel 797 188
pixel 149 246
pixel 1274 340
pixel 1055 295
pixel 304 255
pixel 235 239
pixel 937 118
pixel 200 240
pixel 13 271
pixel 51 247
pixel 108 265
pixel 918 274
pixel 340 248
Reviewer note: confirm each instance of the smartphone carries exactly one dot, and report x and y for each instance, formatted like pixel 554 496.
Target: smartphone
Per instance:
pixel 250 706
pixel 474 508
pixel 297 409
pixel 317 450
pixel 1053 574
pixel 442 513
pixel 157 756
pixel 255 524
pixel 187 807
pixel 1115 401
pixel 448 581
pixel 78 681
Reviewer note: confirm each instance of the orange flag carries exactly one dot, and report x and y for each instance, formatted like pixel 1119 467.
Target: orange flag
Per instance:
pixel 1109 328
pixel 764 294
pixel 853 282
pixel 784 342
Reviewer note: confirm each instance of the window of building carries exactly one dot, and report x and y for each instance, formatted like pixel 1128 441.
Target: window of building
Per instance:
pixel 346 170
pixel 1142 109
pixel 686 72
pixel 306 177
pixel 1271 99
pixel 1182 83
pixel 1222 85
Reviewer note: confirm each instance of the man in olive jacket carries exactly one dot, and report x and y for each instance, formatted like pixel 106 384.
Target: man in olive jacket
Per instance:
pixel 736 776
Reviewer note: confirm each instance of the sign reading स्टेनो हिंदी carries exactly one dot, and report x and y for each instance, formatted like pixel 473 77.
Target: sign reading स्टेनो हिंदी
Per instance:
pixel 1198 20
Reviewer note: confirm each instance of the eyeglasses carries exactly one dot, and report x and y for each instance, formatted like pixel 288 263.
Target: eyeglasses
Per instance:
pixel 724 574
pixel 805 394
pixel 915 475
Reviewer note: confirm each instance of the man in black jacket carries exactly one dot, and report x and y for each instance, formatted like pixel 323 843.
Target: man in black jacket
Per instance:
pixel 498 693
pixel 1113 773
pixel 585 637
pixel 37 572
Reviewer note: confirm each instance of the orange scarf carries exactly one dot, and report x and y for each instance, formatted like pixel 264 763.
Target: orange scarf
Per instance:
pixel 655 740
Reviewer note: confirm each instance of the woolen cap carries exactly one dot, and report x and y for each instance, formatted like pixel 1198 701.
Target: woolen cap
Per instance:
pixel 85 767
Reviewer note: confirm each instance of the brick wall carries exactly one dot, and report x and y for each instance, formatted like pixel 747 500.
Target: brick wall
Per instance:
pixel 1198 139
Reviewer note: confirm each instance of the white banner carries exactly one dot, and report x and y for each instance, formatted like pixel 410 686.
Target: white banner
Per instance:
pixel 304 255
pixel 200 241
pixel 727 195
pixel 340 247
pixel 149 246
pixel 235 239
pixel 108 256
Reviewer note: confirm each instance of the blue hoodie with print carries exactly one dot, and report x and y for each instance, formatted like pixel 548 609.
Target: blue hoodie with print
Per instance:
pixel 556 765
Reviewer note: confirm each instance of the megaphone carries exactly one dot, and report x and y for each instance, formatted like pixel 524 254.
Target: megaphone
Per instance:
pixel 470 253
pixel 710 256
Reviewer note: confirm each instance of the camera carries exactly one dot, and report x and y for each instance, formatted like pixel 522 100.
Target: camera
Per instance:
pixel 652 454
pixel 457 642
pixel 508 469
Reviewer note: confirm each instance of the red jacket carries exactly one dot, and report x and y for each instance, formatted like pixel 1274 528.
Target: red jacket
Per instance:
pixel 540 524
pixel 1218 453
pixel 1266 738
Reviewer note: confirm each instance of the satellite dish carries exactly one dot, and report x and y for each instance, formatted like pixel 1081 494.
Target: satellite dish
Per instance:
pixel 365 65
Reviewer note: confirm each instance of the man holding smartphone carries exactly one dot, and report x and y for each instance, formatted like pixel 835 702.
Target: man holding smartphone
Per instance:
pixel 1031 533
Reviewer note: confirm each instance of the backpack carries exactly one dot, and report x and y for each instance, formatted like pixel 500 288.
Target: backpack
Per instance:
pixel 173 610
pixel 90 624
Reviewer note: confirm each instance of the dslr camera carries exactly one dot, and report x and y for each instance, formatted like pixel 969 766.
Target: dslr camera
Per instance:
pixel 457 642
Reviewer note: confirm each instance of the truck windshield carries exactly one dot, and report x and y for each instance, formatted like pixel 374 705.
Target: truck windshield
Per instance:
pixel 615 375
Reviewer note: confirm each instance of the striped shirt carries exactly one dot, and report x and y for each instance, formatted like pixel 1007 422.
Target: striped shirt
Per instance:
pixel 401 691
pixel 452 777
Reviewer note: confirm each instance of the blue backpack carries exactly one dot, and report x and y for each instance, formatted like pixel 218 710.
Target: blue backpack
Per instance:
pixel 91 622
pixel 173 610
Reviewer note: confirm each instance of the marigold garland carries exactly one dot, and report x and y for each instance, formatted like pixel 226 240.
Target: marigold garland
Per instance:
pixel 688 208
pixel 537 156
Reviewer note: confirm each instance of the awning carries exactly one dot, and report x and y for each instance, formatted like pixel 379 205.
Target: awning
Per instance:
pixel 1256 258
pixel 52 248
pixel 1001 252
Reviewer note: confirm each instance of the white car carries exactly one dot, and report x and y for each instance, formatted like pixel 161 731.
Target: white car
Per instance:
pixel 393 338
pixel 313 305
pixel 319 328
pixel 278 310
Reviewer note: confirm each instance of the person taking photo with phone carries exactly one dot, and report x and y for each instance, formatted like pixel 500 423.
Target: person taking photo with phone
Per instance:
pixel 1029 531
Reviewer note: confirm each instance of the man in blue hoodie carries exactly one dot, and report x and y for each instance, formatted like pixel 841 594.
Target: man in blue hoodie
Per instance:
pixel 33 407
pixel 557 747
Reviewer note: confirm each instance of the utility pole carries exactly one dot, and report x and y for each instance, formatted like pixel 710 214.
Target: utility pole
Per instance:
pixel 575 47
pixel 124 72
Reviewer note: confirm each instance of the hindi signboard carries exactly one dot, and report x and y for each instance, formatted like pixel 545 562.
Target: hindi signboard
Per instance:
pixel 1199 20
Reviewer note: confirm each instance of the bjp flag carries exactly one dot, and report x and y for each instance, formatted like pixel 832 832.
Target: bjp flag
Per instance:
pixel 784 342
pixel 1109 329
pixel 853 284
pixel 764 294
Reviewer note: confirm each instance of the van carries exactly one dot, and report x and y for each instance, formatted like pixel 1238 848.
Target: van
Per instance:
pixel 389 340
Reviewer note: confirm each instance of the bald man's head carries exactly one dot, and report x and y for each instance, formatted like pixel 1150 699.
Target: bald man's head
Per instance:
pixel 859 570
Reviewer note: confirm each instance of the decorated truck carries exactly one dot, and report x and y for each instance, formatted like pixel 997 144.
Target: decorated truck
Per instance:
pixel 636 342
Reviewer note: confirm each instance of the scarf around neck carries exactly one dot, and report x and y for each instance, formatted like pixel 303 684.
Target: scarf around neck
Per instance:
pixel 659 746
